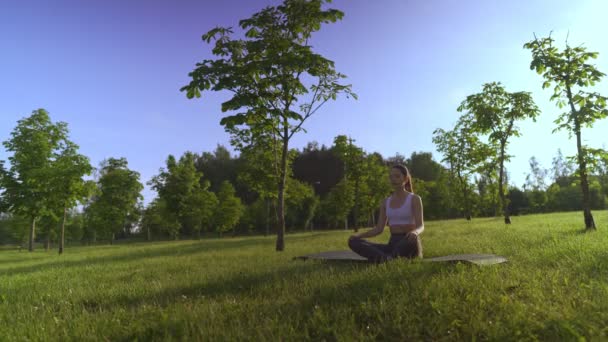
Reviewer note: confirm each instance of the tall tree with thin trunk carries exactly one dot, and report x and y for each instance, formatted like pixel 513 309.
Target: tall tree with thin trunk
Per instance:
pixel 68 184
pixel 277 81
pixel 495 112
pixel 465 154
pixel 569 72
pixel 26 185
pixel 352 158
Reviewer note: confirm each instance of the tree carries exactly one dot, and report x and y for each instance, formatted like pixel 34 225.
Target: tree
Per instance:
pixel 27 183
pixel 229 209
pixel 266 74
pixel 300 203
pixel 217 166
pixel 561 167
pixel 353 161
pixel 377 185
pixel 422 166
pixel 185 194
pixel 535 180
pixel 464 153
pixel 259 170
pixel 68 184
pixel 118 193
pixel 569 71
pixel 495 112
pixel 339 202
pixel 158 220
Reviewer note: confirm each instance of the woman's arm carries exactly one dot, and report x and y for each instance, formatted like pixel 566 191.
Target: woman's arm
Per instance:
pixel 379 228
pixel 418 215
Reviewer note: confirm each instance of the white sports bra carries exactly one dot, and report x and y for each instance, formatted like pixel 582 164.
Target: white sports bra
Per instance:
pixel 401 215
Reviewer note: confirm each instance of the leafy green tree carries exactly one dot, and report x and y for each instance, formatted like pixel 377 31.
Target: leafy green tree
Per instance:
pixel 569 72
pixel 118 193
pixel 229 209
pixel 157 220
pixel 74 228
pixel 535 180
pixel 495 112
pixel 268 73
pixel 339 202
pixel 11 229
pixel 217 166
pixel 353 159
pixel 27 184
pixel 184 193
pixel 465 153
pixel 535 187
pixel 518 202
pixel 487 186
pixel 259 170
pixel 199 209
pixel 300 203
pixel 422 166
pixel 377 185
pixel 69 187
pixel 561 167
pixel 47 227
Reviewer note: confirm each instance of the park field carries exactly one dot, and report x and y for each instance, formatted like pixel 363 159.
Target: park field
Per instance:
pixel 554 288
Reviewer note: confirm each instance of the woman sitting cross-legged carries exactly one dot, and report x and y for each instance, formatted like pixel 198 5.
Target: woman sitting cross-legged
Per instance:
pixel 403 211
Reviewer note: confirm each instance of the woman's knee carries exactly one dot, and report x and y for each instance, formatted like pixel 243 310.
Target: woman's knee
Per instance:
pixel 353 242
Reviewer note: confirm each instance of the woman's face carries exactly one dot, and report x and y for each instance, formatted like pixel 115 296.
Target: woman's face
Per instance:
pixel 397 178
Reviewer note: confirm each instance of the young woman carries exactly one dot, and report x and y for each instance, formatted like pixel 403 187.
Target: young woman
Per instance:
pixel 403 211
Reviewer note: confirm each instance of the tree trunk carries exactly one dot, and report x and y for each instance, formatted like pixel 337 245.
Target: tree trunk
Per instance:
pixel 47 243
pixel 589 222
pixel 282 178
pixel 62 237
pixel 582 167
pixel 267 217
pixel 112 239
pixel 356 209
pixel 148 233
pixel 501 191
pixel 467 205
pixel 32 235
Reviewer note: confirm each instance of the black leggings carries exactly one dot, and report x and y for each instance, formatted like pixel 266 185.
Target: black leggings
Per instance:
pixel 399 245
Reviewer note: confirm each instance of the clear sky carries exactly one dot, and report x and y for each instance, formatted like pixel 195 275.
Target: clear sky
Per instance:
pixel 112 70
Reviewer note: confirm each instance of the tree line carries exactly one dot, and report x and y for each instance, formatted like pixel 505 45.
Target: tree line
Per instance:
pixel 46 198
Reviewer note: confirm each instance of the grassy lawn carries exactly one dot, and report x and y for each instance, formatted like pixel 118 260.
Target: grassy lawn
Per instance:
pixel 554 287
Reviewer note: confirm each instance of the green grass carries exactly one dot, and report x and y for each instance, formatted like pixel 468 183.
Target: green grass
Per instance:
pixel 554 287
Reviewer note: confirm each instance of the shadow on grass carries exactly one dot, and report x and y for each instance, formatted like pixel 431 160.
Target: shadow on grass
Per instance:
pixel 147 251
pixel 241 284
pixel 244 284
pixel 252 286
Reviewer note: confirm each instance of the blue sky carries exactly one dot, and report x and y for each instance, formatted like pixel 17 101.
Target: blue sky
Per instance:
pixel 112 70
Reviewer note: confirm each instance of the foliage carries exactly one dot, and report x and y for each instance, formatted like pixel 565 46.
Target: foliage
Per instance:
pixel 568 71
pixel 495 112
pixel 265 73
pixel 229 209
pixel 184 195
pixel 118 193
pixel 44 169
